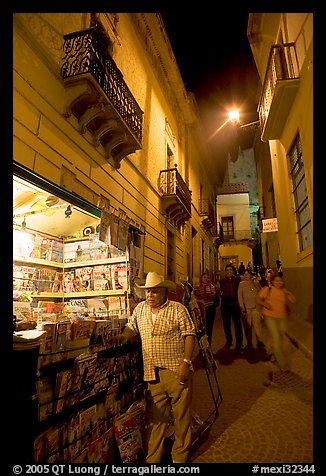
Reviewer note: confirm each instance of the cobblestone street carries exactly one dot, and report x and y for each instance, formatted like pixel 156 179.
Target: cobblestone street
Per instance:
pixel 260 420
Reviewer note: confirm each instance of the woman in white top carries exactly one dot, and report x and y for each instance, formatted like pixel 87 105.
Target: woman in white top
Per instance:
pixel 251 318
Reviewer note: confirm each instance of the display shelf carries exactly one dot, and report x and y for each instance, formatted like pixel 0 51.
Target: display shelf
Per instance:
pixel 85 294
pixel 44 294
pixel 79 294
pixel 38 261
pixel 98 262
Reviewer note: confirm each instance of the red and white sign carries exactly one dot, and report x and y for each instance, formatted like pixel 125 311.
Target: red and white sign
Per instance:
pixel 269 224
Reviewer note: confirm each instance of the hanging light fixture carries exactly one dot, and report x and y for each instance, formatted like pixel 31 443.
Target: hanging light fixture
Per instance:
pixel 68 211
pixel 24 223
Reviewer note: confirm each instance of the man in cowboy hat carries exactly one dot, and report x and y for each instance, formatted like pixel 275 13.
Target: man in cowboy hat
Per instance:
pixel 168 338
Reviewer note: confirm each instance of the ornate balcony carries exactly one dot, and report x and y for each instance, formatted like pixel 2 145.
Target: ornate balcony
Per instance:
pixel 176 197
pixel 230 188
pixel 206 210
pixel 218 233
pixel 98 97
pixel 237 236
pixel 280 87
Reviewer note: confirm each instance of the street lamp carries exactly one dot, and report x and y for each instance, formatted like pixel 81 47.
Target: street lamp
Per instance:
pixel 234 118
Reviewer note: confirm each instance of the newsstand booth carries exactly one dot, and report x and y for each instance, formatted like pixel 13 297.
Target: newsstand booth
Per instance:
pixel 72 272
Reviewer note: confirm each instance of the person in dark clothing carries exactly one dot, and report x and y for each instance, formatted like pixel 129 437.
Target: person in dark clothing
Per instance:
pixel 205 293
pixel 241 269
pixel 230 309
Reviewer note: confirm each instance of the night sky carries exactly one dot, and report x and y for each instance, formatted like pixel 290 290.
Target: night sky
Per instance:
pixel 216 64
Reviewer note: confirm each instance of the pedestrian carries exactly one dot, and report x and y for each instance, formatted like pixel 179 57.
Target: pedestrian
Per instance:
pixel 206 294
pixel 168 339
pixel 269 274
pixel 279 268
pixel 274 301
pixel 251 317
pixel 241 269
pixel 249 266
pixel 262 273
pixel 230 309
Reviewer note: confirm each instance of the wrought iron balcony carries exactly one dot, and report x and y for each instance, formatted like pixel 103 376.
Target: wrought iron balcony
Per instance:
pixel 280 87
pixel 237 236
pixel 218 232
pixel 206 210
pixel 97 95
pixel 176 197
pixel 230 188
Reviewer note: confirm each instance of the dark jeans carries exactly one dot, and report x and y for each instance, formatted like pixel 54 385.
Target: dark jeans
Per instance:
pixel 209 317
pixel 230 310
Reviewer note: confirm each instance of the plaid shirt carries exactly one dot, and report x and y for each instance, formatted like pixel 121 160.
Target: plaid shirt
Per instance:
pixel 163 341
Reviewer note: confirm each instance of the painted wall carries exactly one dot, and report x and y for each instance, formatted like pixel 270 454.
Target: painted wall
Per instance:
pixel 48 143
pixel 237 206
pixel 297 266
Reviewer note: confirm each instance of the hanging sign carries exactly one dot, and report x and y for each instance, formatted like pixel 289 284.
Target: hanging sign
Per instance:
pixel 105 226
pixel 269 225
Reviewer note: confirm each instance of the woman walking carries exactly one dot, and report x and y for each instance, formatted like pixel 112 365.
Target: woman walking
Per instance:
pixel 274 301
pixel 247 294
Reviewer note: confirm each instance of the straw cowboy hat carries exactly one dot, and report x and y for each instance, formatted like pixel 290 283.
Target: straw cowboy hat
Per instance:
pixel 154 280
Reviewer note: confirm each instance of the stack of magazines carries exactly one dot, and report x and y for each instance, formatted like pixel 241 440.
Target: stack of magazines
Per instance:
pixel 27 339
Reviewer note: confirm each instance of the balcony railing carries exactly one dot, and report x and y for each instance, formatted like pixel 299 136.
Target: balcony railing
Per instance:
pixel 98 95
pixel 230 188
pixel 279 90
pixel 206 210
pixel 237 235
pixel 176 197
pixel 217 231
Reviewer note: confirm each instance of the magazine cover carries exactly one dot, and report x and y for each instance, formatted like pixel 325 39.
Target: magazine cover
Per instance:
pixel 45 395
pixel 87 421
pixel 111 403
pixel 120 274
pixel 97 308
pixel 62 335
pixel 62 388
pixel 48 446
pixel 87 386
pixel 22 310
pixel 101 335
pixel 76 308
pixel 86 277
pixel 74 436
pixel 128 435
pixel 81 329
pixel 104 373
pixel 48 343
pixel 81 364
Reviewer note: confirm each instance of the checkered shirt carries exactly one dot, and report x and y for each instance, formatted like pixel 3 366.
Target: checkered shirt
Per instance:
pixel 163 341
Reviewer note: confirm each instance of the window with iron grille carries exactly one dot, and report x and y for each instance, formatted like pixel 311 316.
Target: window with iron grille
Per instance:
pixel 300 196
pixel 228 228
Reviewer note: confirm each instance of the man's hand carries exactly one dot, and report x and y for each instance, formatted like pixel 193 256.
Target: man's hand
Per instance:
pixel 183 373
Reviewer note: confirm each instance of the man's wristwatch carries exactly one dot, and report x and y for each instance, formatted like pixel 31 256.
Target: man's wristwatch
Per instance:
pixel 189 362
